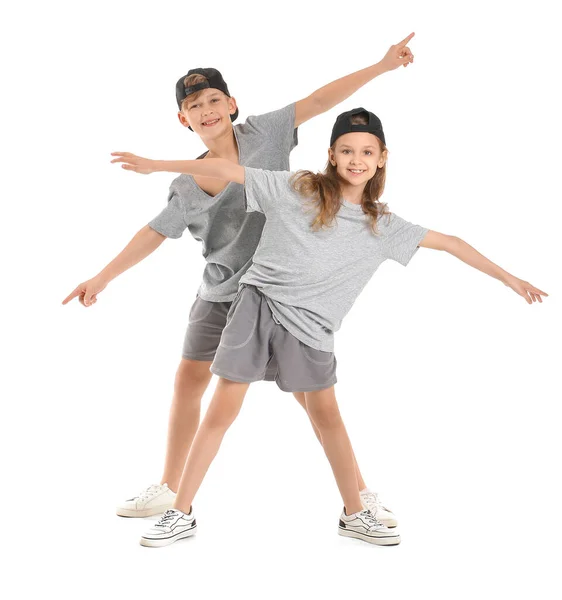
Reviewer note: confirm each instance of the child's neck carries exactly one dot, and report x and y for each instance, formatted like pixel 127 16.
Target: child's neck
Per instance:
pixel 352 193
pixel 224 146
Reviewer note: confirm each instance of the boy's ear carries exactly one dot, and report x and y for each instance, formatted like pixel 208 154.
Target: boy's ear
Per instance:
pixel 232 106
pixel 183 120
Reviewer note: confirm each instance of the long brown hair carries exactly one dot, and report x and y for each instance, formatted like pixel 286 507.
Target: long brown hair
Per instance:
pixel 324 189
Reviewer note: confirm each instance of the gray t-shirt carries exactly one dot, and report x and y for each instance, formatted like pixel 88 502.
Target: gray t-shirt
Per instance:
pixel 228 233
pixel 312 278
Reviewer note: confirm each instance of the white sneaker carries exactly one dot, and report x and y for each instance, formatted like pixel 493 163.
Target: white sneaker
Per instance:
pixel 154 500
pixel 364 526
pixel 371 501
pixel 173 525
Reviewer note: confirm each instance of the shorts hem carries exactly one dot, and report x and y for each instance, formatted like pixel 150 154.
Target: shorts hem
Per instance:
pixel 233 377
pixel 198 357
pixel 314 388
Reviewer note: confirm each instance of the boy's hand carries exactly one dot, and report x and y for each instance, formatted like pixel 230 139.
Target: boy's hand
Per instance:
pixel 525 289
pixel 87 292
pixel 145 166
pixel 398 55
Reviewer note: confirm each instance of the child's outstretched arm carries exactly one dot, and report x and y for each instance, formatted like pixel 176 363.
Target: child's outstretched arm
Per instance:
pixel 463 251
pixel 332 94
pixel 142 244
pixel 219 168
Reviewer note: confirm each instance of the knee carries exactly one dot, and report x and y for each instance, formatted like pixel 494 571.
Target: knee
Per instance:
pixel 225 405
pixel 325 416
pixel 192 374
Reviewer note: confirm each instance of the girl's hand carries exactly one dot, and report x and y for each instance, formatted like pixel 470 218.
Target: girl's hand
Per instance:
pixel 87 292
pixel 398 55
pixel 131 162
pixel 525 289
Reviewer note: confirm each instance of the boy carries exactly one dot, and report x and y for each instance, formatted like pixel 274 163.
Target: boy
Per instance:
pixel 215 214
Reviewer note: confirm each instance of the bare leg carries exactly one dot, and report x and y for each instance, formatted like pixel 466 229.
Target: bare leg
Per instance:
pixel 192 379
pixel 324 413
pixel 222 411
pixel 361 485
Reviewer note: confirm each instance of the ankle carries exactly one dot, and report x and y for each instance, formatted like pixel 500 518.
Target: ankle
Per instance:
pixel 183 509
pixel 171 483
pixel 351 509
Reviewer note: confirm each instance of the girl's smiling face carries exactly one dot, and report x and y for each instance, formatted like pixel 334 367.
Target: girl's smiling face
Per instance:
pixel 357 156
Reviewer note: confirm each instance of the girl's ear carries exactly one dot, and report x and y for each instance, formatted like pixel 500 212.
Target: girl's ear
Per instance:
pixel 331 157
pixel 382 159
pixel 183 120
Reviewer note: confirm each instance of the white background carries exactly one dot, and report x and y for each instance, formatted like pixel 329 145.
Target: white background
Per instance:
pixel 448 381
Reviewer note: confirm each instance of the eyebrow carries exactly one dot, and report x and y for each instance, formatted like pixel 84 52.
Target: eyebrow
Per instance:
pixel 364 147
pixel 213 95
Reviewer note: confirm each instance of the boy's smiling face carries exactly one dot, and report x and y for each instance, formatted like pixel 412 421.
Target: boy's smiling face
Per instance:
pixel 357 156
pixel 208 114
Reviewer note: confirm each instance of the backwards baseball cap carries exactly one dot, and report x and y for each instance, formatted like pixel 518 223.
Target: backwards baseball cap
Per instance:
pixel 344 125
pixel 214 80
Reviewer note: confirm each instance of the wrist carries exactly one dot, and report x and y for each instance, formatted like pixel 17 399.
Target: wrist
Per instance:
pixel 506 277
pixel 158 165
pixel 103 277
pixel 380 68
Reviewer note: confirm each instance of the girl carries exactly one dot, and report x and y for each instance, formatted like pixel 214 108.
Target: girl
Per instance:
pixel 325 235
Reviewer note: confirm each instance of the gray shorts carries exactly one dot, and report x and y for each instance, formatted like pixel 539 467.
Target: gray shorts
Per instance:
pixel 206 323
pixel 253 340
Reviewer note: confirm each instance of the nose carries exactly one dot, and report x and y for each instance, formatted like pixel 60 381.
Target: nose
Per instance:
pixel 207 110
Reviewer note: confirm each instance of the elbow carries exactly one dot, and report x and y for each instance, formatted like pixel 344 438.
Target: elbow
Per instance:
pixel 451 243
pixel 318 104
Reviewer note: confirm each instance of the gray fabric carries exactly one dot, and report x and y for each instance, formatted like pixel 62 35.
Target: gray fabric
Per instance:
pixel 253 340
pixel 206 323
pixel 229 235
pixel 312 278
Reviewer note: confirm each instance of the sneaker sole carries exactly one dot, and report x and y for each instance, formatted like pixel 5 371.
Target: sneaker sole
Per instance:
pixel 150 543
pixel 147 512
pixel 379 541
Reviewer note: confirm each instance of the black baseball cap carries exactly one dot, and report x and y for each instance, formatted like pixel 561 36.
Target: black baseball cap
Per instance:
pixel 214 80
pixel 344 125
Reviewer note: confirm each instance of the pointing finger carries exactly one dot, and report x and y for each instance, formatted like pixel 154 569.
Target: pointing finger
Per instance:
pixel 75 293
pixel 406 40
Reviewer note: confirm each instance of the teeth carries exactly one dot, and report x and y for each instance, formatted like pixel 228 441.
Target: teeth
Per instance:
pixel 356 170
pixel 209 122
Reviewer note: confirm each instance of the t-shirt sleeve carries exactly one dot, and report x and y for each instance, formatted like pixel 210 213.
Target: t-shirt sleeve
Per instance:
pixel 264 189
pixel 171 222
pixel 278 126
pixel 400 238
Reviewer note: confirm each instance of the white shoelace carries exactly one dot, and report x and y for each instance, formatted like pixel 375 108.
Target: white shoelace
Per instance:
pixel 166 518
pixel 371 518
pixel 149 492
pixel 372 501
